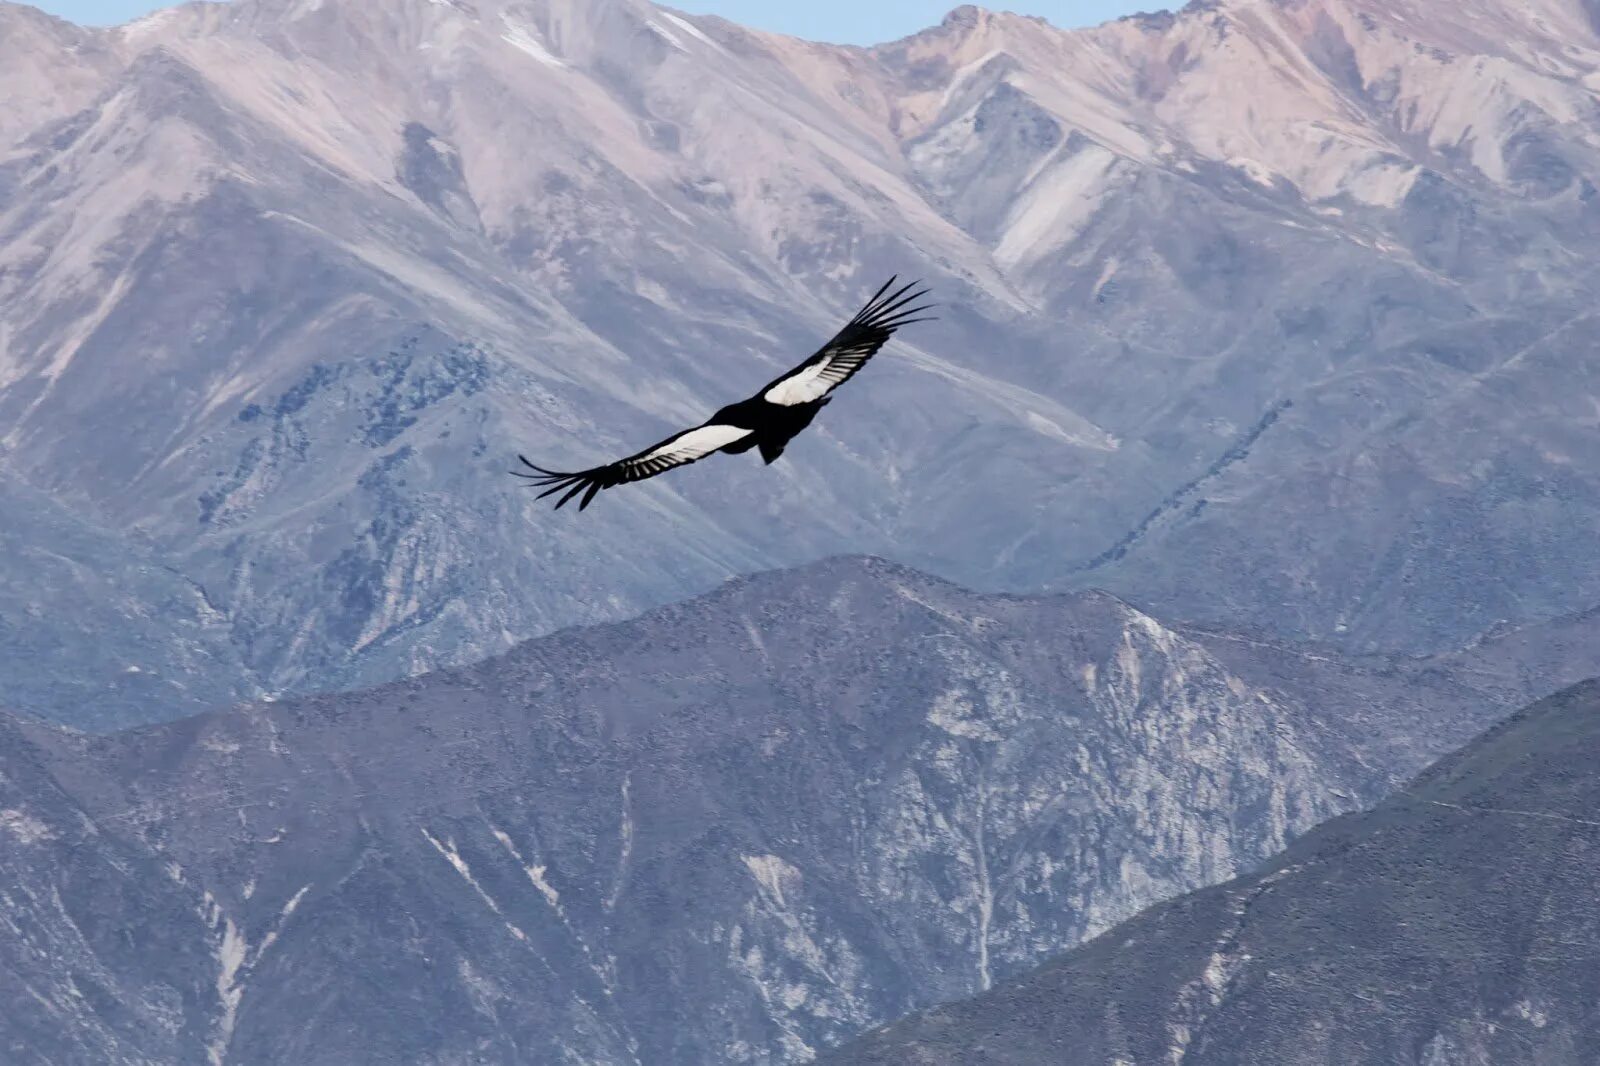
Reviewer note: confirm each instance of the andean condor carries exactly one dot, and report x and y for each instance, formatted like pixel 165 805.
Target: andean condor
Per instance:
pixel 768 420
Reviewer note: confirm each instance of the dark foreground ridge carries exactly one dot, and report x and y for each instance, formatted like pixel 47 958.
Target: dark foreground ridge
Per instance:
pixel 1455 923
pixel 743 828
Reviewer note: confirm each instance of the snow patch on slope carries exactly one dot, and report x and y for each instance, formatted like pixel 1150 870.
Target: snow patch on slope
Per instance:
pixel 1056 207
pixel 523 38
pixel 451 855
pixel 690 28
pixel 230 951
pixel 535 873
pixel 666 35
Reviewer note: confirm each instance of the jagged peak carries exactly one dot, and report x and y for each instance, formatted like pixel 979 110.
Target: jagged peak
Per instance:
pixel 965 16
pixel 969 16
pixel 968 21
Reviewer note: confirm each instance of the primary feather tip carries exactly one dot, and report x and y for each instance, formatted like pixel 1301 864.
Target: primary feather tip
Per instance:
pixel 554 481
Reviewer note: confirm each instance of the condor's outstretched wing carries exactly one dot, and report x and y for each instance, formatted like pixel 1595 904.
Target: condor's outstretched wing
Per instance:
pixel 850 348
pixel 679 450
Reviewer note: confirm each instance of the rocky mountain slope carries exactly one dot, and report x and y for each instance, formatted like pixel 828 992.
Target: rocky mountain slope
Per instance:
pixel 95 622
pixel 1453 924
pixel 1266 313
pixel 737 830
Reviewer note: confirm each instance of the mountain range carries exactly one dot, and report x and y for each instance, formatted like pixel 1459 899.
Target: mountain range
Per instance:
pixel 1268 314
pixel 1261 410
pixel 742 829
pixel 1454 923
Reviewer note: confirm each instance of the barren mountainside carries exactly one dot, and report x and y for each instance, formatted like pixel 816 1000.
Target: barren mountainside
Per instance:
pixel 1262 407
pixel 738 830
pixel 1269 313
pixel 1453 924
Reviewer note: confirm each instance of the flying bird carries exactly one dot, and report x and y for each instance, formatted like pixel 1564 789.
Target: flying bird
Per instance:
pixel 767 421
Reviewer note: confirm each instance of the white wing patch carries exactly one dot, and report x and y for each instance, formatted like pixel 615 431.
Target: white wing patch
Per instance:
pixel 813 382
pixel 695 444
pixel 803 386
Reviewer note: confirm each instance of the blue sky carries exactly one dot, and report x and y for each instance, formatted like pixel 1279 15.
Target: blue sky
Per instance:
pixel 852 21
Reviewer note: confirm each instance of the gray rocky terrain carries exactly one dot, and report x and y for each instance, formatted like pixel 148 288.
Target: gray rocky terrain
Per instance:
pixel 738 830
pixel 1453 924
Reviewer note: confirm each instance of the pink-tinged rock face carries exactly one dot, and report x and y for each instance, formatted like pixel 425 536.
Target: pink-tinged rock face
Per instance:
pixel 1263 313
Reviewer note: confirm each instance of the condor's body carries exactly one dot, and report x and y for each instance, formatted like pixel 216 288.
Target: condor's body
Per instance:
pixel 771 425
